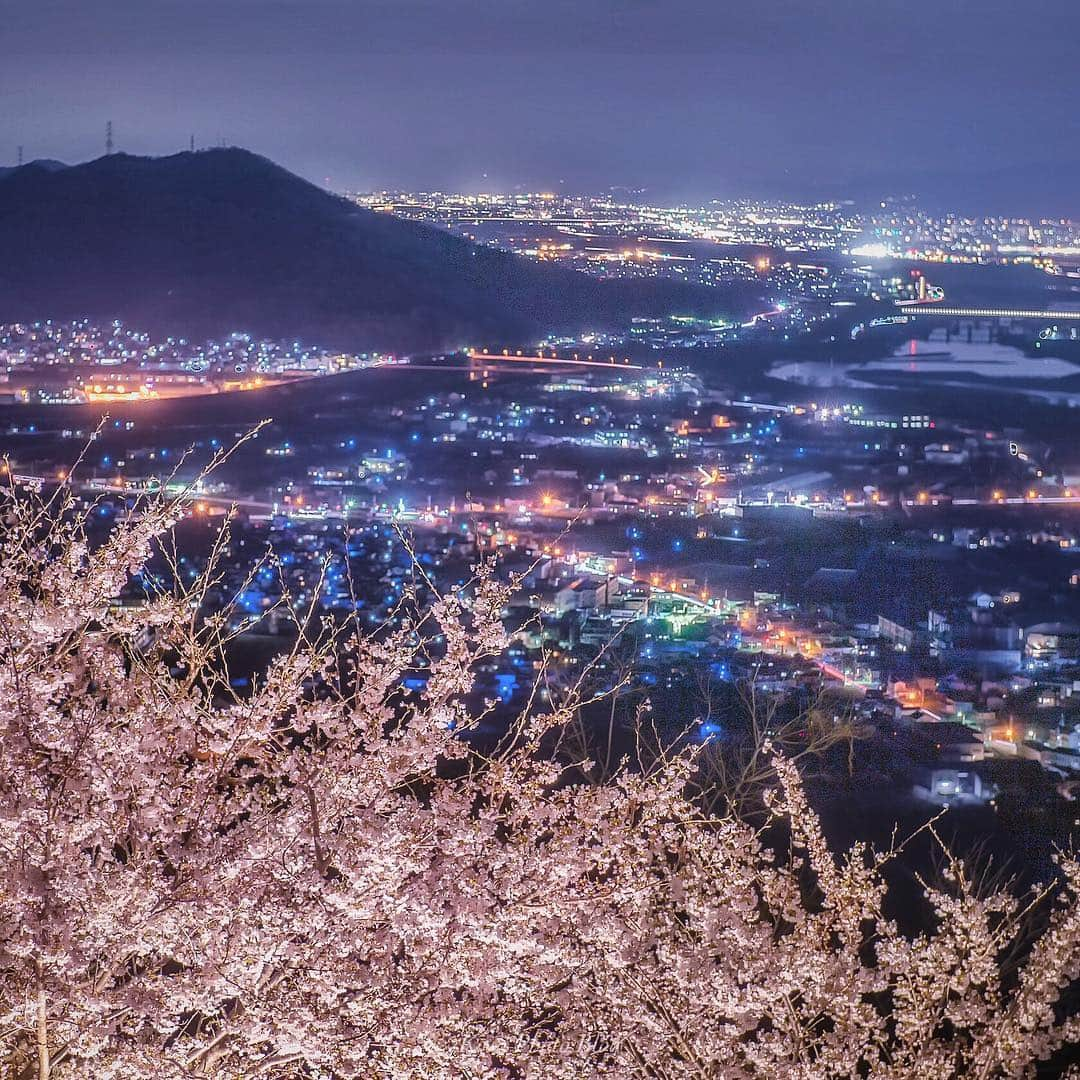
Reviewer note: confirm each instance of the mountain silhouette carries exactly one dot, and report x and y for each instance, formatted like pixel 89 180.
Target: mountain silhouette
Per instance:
pixel 215 241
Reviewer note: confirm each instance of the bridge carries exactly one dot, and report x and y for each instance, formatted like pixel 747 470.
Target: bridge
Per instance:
pixel 990 313
pixel 540 362
pixel 487 364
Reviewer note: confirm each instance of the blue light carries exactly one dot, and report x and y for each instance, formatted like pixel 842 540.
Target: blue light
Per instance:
pixel 505 686
pixel 709 730
pixel 250 601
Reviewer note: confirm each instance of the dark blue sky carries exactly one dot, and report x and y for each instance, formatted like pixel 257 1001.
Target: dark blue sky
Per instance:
pixel 965 100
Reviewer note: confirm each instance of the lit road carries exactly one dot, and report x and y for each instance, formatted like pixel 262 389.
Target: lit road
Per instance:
pixel 551 361
pixel 990 313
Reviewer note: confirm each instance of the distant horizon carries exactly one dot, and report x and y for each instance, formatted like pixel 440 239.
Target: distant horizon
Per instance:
pixel 646 196
pixel 968 105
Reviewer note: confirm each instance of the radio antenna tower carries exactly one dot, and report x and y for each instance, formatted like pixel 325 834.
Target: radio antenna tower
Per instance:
pixel 20 155
pixel 108 139
pixel 193 144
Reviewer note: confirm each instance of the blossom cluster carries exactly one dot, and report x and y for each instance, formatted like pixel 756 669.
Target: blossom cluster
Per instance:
pixel 326 878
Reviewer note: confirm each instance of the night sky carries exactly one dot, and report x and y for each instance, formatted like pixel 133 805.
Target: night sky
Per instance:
pixel 970 102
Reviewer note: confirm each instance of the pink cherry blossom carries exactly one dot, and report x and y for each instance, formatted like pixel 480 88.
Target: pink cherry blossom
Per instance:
pixel 323 880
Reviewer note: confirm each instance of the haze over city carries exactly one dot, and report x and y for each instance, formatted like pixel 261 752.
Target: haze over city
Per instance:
pixel 957 101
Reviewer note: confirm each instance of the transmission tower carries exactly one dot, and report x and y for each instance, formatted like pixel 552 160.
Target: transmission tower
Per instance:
pixel 108 139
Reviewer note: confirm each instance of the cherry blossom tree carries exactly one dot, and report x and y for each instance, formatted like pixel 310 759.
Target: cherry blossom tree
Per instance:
pixel 325 878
